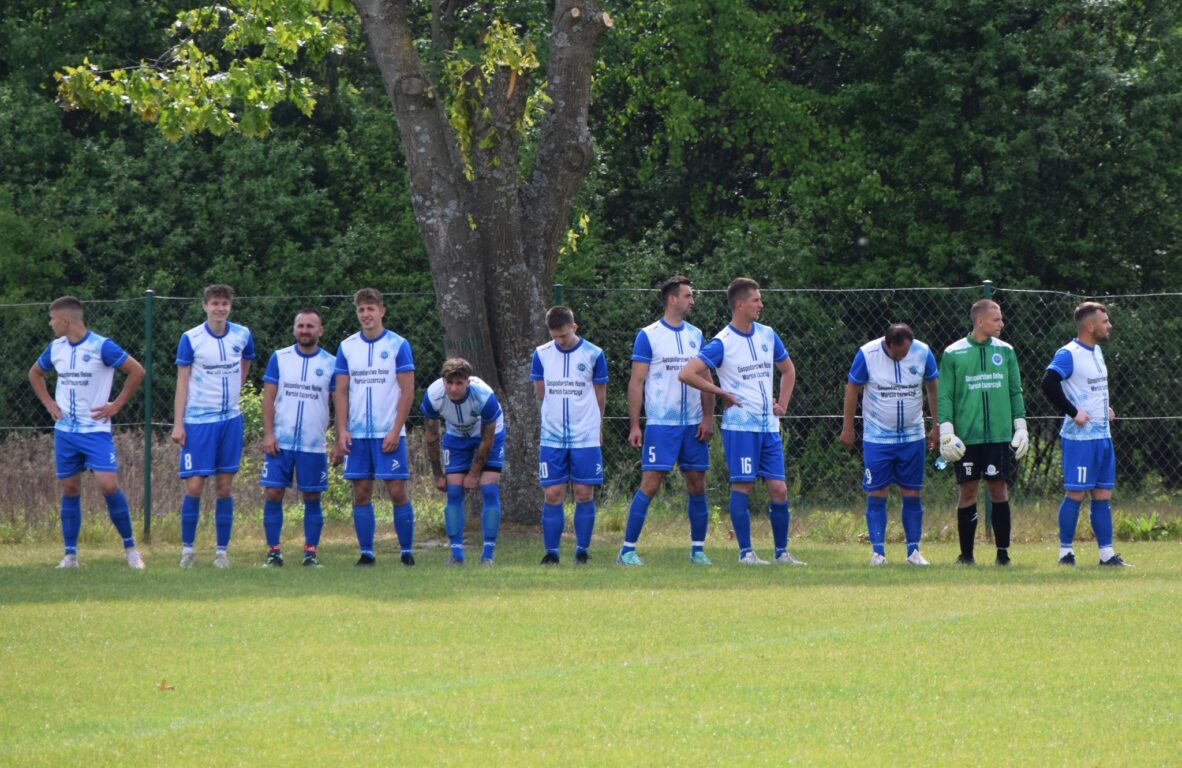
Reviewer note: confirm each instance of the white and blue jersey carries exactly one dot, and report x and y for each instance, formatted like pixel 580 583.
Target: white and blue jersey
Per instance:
pixel 85 371
pixel 304 385
pixel 745 363
pixel 570 410
pixel 215 376
pixel 466 418
pixel 892 401
pixel 666 349
pixel 1085 384
pixel 372 366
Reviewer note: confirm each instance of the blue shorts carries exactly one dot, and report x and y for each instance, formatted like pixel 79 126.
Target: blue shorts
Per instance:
pixel 366 461
pixel 888 464
pixel 311 469
pixel 1088 464
pixel 212 449
pixel 665 446
pixel 753 454
pixel 76 451
pixel 583 466
pixel 458 453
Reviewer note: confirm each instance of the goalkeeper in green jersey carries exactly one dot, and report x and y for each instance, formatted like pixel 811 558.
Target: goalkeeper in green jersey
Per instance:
pixel 984 424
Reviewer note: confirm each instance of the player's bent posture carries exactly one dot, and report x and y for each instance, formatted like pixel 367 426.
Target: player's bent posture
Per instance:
pixel 213 361
pixel 891 374
pixel 678 423
pixel 984 424
pixel 297 387
pixel 744 354
pixel 473 451
pixel 1076 383
pixel 570 381
pixel 85 365
pixel 375 389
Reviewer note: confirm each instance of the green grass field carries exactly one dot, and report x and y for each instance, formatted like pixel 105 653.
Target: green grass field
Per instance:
pixel 833 664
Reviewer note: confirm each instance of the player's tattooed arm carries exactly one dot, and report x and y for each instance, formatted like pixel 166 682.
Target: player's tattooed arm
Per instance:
pixel 487 434
pixel 431 440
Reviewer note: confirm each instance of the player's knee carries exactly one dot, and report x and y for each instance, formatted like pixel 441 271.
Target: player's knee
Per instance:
pixel 311 496
pixel 1100 494
pixel 908 493
pixel 879 493
pixel 999 492
pixel 584 493
pixel 397 491
pixel 72 486
pixel 194 485
pixel 555 494
pixel 650 483
pixel 274 494
pixel 695 483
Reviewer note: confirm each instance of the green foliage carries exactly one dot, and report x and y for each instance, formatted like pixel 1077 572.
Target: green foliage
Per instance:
pixel 1148 528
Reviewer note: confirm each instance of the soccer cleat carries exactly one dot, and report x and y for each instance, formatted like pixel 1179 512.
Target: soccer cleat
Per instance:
pixel 915 558
pixel 751 559
pixel 221 559
pixel 365 561
pixel 1003 558
pixel 134 559
pixel 486 562
pixel 274 560
pixel 310 561
pixel 629 558
pixel 455 561
pixel 1067 559
pixel 408 559
pixel 1116 562
pixel 877 560
pixel 582 558
pixel 699 558
pixel 965 560
pixel 549 559
pixel 188 557
pixel 69 561
pixel 786 558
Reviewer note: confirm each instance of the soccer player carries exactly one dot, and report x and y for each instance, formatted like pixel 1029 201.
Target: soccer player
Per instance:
pixel 473 451
pixel 678 424
pixel 570 381
pixel 984 427
pixel 213 361
pixel 375 389
pixel 297 387
pixel 744 354
pixel 85 365
pixel 1076 383
pixel 891 374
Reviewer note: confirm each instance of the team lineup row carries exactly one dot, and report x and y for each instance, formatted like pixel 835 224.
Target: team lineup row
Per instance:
pixel 977 413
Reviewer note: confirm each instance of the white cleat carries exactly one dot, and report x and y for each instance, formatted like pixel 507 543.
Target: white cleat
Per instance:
pixel 221 560
pixel 69 561
pixel 188 556
pixel 751 559
pixel 877 560
pixel 787 559
pixel 915 558
pixel 135 560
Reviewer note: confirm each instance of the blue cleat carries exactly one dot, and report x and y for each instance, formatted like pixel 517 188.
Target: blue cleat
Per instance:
pixel 699 558
pixel 629 558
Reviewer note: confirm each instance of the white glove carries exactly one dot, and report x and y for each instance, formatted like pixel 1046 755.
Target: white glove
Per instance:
pixel 951 447
pixel 1021 441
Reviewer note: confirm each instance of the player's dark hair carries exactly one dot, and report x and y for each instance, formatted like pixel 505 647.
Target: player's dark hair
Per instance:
pixel 67 304
pixel 455 368
pixel 559 317
pixel 311 311
pixel 368 296
pixel 217 291
pixel 897 333
pixel 1084 311
pixel 981 307
pixel 739 289
pixel 672 287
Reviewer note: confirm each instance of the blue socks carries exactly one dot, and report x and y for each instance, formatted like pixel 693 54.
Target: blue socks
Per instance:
pixel 363 523
pixel 912 522
pixel 741 521
pixel 404 526
pixel 1068 518
pixel 553 522
pixel 490 518
pixel 453 520
pixel 876 522
pixel 313 524
pixel 121 517
pixel 273 522
pixel 584 525
pixel 636 516
pixel 71 522
pixel 699 519
pixel 190 511
pixel 778 513
pixel 223 518
pixel 1102 522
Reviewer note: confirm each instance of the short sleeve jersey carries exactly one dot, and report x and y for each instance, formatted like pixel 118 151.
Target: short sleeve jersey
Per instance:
pixel 467 417
pixel 85 371
pixel 1085 383
pixel 892 401
pixel 215 376
pixel 745 363
pixel 667 349
pixel 304 385
pixel 372 366
pixel 570 412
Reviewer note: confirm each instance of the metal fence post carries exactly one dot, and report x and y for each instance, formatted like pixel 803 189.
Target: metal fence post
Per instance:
pixel 558 294
pixel 148 296
pixel 987 292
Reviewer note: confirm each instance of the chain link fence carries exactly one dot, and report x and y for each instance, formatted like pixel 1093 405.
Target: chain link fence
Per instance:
pixel 821 328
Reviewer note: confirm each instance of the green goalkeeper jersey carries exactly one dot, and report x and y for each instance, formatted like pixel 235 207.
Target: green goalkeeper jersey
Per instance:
pixel 980 390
